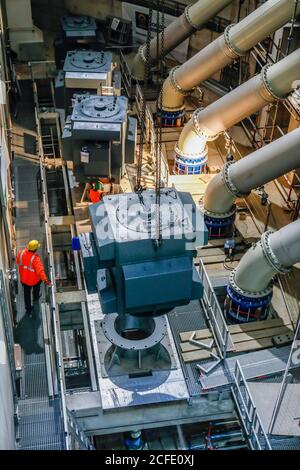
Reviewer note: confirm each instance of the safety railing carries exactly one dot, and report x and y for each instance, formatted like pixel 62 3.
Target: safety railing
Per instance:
pixel 126 75
pixel 251 422
pixel 77 434
pixel 53 323
pixel 293 361
pixel 214 315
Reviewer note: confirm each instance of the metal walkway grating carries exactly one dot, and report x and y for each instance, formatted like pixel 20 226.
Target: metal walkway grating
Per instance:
pixel 188 318
pixel 40 421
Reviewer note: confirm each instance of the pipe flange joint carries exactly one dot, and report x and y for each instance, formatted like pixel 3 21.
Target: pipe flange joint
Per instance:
pixel 198 129
pixel 268 84
pixel 271 256
pixel 141 51
pixel 218 215
pixel 228 181
pixel 175 85
pixel 235 51
pixel 245 293
pixel 189 19
pixel 203 155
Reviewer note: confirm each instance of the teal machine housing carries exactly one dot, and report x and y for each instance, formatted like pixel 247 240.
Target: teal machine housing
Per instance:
pixel 131 270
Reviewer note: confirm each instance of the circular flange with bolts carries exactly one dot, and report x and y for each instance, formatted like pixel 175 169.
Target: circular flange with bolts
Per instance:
pixel 176 85
pixel 199 130
pixel 230 186
pixel 234 51
pixel 88 61
pixel 189 19
pixel 157 335
pixel 268 84
pixel 271 256
pixel 254 295
pixel 141 52
pixel 217 215
pixel 98 106
pixel 203 155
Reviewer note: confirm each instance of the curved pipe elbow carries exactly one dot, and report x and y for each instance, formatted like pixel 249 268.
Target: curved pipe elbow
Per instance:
pixel 254 272
pixel 190 143
pixel 217 197
pixel 138 67
pixel 171 99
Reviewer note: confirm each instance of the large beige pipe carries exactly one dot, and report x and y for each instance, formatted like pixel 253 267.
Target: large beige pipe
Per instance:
pixel 274 82
pixel 252 171
pixel 236 41
pixel 193 18
pixel 274 253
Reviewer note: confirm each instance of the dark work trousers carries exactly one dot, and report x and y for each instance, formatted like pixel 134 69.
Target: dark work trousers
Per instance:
pixel 27 295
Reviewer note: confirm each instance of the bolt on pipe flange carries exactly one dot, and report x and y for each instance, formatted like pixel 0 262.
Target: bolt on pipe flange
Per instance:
pixel 157 335
pixel 254 295
pixel 141 52
pixel 217 215
pixel 199 130
pixel 270 255
pixel 268 84
pixel 175 85
pixel 189 19
pixel 191 155
pixel 230 186
pixel 234 52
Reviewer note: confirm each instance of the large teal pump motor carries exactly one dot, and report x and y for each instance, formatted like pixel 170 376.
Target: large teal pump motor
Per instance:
pixel 134 272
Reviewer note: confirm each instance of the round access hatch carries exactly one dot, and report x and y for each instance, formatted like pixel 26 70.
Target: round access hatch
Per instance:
pixel 140 216
pixel 87 61
pixel 78 22
pixel 99 107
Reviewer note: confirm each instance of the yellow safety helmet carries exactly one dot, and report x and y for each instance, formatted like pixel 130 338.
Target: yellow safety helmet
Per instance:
pixel 33 245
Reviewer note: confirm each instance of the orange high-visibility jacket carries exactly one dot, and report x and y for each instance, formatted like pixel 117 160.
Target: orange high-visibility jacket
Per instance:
pixel 31 268
pixel 95 196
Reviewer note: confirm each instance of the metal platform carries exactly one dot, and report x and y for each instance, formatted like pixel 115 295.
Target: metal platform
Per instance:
pixel 118 391
pixel 40 423
pixel 288 418
pixel 255 364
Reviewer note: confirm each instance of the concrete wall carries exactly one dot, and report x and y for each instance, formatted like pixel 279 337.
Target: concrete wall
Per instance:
pixel 7 431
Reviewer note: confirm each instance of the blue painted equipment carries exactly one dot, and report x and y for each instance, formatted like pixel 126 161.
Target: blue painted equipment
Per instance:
pixel 135 275
pixel 242 309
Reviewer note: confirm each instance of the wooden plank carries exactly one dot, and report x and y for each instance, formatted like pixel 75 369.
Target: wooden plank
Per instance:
pixel 240 328
pixel 257 325
pixel 243 337
pixel 241 347
pixel 215 251
pixel 200 334
pixel 221 258
pixel 196 356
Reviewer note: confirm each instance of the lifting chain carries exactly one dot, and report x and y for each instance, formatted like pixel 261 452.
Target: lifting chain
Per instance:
pixel 138 187
pixel 158 150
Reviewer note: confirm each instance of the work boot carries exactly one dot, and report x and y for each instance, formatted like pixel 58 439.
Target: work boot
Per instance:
pixel 29 312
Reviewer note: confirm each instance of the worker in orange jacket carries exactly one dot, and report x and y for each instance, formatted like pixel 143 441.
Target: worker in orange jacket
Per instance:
pixel 31 272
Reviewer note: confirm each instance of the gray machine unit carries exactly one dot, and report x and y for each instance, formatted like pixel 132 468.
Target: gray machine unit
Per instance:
pixel 99 137
pixel 137 276
pixel 76 32
pixel 86 70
